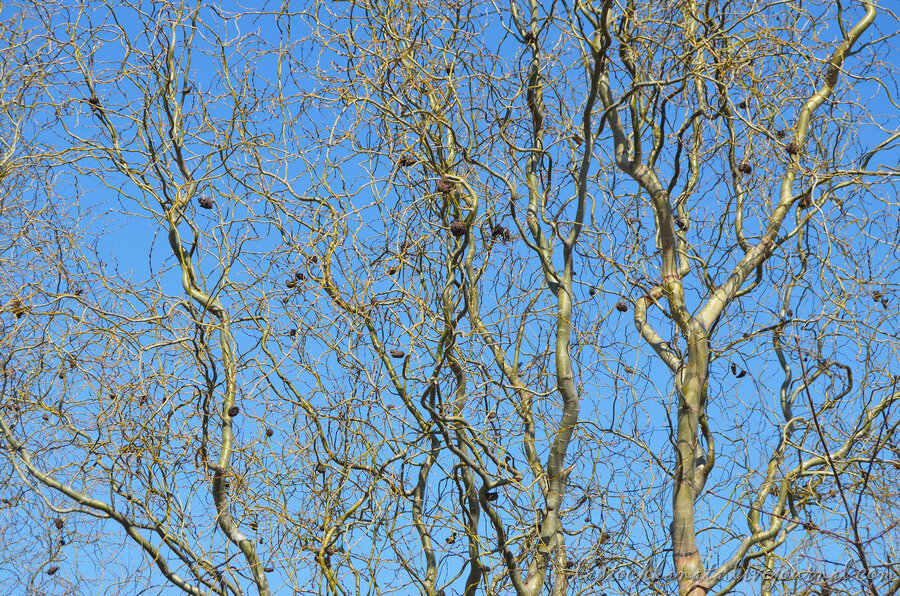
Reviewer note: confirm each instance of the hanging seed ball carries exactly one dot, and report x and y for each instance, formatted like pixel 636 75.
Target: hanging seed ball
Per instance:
pixel 397 353
pixel 444 185
pixel 604 537
pixel 292 333
pixel 52 569
pixel 299 276
pixel 745 168
pixel 679 222
pixel 392 270
pixel 622 306
pixel 59 523
pixel 792 148
pixel 805 201
pixel 734 368
pixel 233 411
pixel 320 468
pixel 269 569
pixel 742 374
pixel 578 140
pixel 571 563
pixel 46 417
pixel 72 362
pixel 592 291
pixel 492 496
pixel 291 282
pixel 501 232
pixel 406 161
pixel 269 432
pixel 743 105
pixel 457 228
pixel 781 133
pixel 205 202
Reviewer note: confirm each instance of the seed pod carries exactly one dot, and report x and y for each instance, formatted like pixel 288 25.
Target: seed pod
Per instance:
pixel 269 569
pixel 571 563
pixel 291 282
pixel 742 374
pixel 52 569
pixel 492 496
pixel 269 432
pixel 501 232
pixel 292 333
pixel 458 228
pixel 205 202
pixel 781 133
pixel 397 353
pixel 792 148
pixel 744 168
pixel 59 523
pixel 46 417
pixel 622 306
pixel 604 537
pixel 406 161
pixel 320 468
pixel 72 361
pixel 233 411
pixel 734 368
pixel 592 291
pixel 578 140
pixel 743 104
pixel 444 185
pixel 299 276
pixel 805 201
pixel 679 222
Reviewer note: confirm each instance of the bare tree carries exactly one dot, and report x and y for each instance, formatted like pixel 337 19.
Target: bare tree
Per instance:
pixel 371 297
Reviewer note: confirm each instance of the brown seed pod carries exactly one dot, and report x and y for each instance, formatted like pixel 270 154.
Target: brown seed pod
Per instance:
pixel 805 201
pixel 734 368
pixel 268 569
pixel 290 282
pixel 299 276
pixel 59 523
pixel 320 468
pixel 205 202
pixel 397 353
pixel 187 89
pixel 593 291
pixel 458 228
pixel 679 222
pixel 744 167
pixel 528 37
pixel 234 411
pixel 500 232
pixel 622 306
pixel 792 148
pixel 780 133
pixel 392 270
pixel 52 569
pixel 743 104
pixel 46 417
pixel 292 333
pixel 571 564
pixel 578 140
pixel 492 496
pixel 94 101
pixel 269 432
pixel 72 361
pixel 444 185
pixel 604 537
pixel 406 161
pixel 741 374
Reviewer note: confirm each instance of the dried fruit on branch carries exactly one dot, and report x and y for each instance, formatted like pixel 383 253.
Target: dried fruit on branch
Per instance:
pixel 458 228
pixel 444 185
pixel 406 161
pixel 233 411
pixel 397 353
pixel 744 168
pixel 501 232
pixel 622 306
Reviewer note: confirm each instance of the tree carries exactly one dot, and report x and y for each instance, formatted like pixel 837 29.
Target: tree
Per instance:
pixel 549 298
